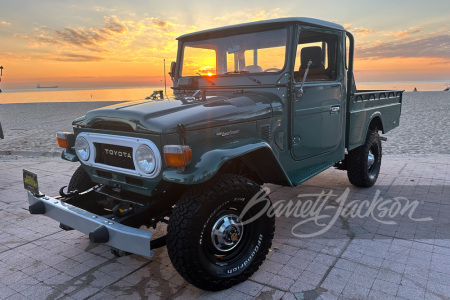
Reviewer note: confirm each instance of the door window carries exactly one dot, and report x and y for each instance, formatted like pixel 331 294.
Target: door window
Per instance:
pixel 320 50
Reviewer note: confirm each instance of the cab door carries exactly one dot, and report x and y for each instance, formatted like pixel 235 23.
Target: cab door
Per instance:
pixel 318 114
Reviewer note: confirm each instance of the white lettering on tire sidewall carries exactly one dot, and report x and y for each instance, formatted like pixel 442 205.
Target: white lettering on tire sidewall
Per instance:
pixel 248 259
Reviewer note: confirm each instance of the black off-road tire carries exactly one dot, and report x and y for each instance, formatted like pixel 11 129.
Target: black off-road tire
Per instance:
pixel 80 181
pixel 358 170
pixel 192 245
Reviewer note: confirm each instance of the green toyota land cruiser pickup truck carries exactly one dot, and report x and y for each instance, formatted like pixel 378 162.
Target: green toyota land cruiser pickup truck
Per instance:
pixel 264 102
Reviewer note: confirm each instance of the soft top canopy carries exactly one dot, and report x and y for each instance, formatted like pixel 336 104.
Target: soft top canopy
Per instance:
pixel 305 21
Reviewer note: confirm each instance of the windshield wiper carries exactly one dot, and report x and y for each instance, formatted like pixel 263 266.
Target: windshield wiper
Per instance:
pixel 207 79
pixel 245 73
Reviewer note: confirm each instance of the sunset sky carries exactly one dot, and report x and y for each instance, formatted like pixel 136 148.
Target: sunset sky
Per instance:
pixel 123 43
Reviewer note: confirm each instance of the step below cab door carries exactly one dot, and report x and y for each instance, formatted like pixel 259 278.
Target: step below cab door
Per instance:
pixel 318 114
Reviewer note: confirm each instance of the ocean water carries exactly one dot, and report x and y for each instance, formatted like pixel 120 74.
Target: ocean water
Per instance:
pixel 76 95
pixel 132 94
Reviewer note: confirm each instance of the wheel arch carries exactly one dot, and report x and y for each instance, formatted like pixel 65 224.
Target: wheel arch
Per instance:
pixel 376 122
pixel 253 158
pixel 250 165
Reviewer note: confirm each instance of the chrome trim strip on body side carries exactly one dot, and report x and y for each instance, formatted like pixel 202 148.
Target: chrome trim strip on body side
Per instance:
pixel 131 142
pixel 374 107
pixel 120 236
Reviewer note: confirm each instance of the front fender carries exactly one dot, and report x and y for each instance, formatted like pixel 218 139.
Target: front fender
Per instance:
pixel 206 165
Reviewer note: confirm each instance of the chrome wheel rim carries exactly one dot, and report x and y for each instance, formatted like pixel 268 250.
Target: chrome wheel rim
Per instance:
pixel 370 160
pixel 227 232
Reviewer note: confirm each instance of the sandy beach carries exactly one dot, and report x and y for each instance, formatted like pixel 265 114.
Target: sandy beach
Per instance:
pixel 30 128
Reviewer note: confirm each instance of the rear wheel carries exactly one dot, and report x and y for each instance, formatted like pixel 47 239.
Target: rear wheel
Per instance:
pixel 208 240
pixel 364 162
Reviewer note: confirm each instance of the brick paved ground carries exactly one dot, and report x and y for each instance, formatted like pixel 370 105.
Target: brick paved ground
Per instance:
pixel 356 258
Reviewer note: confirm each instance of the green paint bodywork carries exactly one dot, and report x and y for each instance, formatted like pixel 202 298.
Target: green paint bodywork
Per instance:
pixel 205 165
pixel 272 130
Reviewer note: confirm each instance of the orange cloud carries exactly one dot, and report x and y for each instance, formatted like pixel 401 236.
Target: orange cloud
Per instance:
pixel 406 33
pixel 431 46
pixel 5 23
pixel 72 57
pixel 159 22
pixel 88 38
pixel 357 30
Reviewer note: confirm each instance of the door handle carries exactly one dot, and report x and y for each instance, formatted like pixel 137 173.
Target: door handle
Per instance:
pixel 335 109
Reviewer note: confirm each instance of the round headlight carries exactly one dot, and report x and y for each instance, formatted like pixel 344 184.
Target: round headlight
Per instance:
pixel 145 159
pixel 82 148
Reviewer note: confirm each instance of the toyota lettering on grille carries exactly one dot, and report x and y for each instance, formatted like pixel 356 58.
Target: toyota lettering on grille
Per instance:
pixel 118 153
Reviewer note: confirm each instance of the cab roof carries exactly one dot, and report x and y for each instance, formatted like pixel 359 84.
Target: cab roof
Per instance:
pixel 303 21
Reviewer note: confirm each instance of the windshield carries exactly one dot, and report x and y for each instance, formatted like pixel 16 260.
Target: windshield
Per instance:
pixel 238 54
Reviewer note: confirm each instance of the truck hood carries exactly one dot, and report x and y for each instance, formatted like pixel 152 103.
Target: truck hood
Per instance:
pixel 163 116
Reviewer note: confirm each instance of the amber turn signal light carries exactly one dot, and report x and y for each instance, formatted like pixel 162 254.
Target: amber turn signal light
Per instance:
pixel 65 139
pixel 177 155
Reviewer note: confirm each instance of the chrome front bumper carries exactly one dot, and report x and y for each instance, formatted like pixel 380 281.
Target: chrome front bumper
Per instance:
pixel 119 236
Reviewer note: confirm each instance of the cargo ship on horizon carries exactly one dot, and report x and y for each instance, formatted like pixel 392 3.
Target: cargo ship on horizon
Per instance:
pixel 46 87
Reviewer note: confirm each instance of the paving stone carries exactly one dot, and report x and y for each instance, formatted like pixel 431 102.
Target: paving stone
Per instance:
pixel 307 295
pixel 317 268
pixel 301 286
pixel 271 266
pixel 389 276
pixel 6 292
pixel 38 260
pixel 375 295
pixel 361 280
pixel 438 289
pixel 262 276
pixel 290 272
pixel 336 286
pixel 281 282
pixel 239 295
pixel 385 287
pixel 409 292
pixel 356 291
pixel 268 293
pixel 339 275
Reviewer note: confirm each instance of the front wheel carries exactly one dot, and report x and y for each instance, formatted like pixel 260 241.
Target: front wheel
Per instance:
pixel 211 239
pixel 364 162
pixel 80 180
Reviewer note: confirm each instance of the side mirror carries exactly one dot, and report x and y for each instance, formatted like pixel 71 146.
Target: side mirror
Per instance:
pixel 173 66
